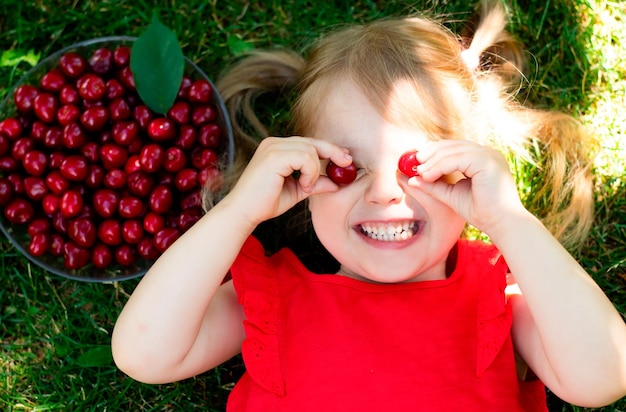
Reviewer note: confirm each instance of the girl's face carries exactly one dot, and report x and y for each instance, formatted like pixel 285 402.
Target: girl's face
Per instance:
pixel 374 227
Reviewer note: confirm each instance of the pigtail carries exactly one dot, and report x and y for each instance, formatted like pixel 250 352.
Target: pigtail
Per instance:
pixel 554 142
pixel 255 74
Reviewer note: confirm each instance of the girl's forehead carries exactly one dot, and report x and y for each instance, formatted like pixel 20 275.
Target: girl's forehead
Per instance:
pixel 349 119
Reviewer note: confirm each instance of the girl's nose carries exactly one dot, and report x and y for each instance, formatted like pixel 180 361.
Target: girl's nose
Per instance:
pixel 384 187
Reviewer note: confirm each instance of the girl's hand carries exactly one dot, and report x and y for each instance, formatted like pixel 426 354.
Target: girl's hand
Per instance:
pixel 484 197
pixel 267 187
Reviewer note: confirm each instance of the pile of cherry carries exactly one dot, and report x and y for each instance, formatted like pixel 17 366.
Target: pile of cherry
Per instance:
pixel 95 176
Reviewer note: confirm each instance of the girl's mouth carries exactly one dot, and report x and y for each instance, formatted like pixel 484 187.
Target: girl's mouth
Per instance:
pixel 390 232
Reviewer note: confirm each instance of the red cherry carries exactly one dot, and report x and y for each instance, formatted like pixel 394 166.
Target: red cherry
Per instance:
pixel 146 249
pixel 52 81
pixel 82 231
pixel 161 199
pixel 39 225
pixel 132 164
pixel 75 168
pixel 101 256
pixel 57 244
pixel 35 162
pixel 121 56
pixel 74 136
pixel 71 203
pixel 164 238
pixel 125 76
pixel 94 118
pixel 131 207
pixel 119 109
pixel 200 91
pixel 38 130
pixel 5 143
pixel 143 115
pixel 115 90
pixel 56 182
pixel 39 244
pixel 50 203
pixel 54 138
pixel 203 114
pixel 175 159
pixel 183 91
pixel 72 64
pixel 69 95
pixel 152 157
pixel 187 137
pixel 17 181
pixel 12 127
pixel 8 164
pixel 179 112
pixel 95 176
pixel 113 156
pixel 341 175
pixel 407 164
pixel 140 183
pixel 153 222
pixel 115 179
pixel 35 187
pixel 125 133
pixel 210 135
pixel 101 60
pixel 191 200
pixel 162 129
pixel 19 211
pixel 24 97
pixel 67 114
pixel 132 231
pixel 106 202
pixel 186 180
pixel 125 255
pixel 188 218
pixel 91 87
pixel 45 106
pixel 22 146
pixel 74 256
pixel 91 151
pixel 6 191
pixel 110 232
pixel 201 158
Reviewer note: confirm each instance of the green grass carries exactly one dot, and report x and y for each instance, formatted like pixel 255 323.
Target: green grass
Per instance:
pixel 55 333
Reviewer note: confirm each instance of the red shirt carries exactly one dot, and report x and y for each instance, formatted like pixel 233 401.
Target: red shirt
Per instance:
pixel 332 343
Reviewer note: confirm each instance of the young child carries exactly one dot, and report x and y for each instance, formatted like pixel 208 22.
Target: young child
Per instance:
pixel 415 318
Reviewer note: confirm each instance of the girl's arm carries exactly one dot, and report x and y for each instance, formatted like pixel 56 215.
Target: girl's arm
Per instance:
pixel 181 320
pixel 564 326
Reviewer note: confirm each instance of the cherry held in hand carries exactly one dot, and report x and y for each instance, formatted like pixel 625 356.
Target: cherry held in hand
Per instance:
pixel 407 164
pixel 341 175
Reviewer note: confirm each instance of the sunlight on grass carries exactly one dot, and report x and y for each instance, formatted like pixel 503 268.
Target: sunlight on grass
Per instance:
pixel 606 115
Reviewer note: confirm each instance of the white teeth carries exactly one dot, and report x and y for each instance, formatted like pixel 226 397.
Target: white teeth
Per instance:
pixel 390 232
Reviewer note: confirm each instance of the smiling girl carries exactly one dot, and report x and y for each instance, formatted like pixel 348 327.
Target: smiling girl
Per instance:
pixel 415 317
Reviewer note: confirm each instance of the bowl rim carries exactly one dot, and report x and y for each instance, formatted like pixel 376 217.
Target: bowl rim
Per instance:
pixel 223 117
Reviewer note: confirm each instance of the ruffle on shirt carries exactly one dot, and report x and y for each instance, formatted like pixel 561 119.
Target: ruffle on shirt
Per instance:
pixel 257 290
pixel 494 315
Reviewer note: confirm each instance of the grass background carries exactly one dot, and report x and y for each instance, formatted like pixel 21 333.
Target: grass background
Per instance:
pixel 55 333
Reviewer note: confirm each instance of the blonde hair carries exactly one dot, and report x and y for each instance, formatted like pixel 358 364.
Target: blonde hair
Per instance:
pixel 416 72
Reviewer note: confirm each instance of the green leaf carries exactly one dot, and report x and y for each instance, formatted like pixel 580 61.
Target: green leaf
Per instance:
pixel 11 58
pixel 238 45
pixel 157 63
pixel 97 356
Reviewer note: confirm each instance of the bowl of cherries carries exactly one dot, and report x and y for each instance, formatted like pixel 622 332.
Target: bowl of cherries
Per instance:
pixel 95 185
